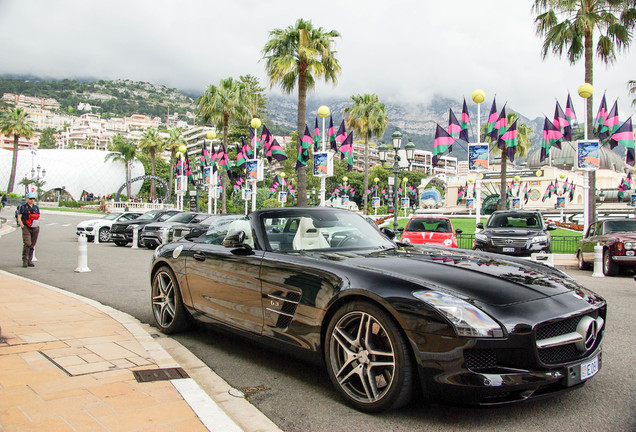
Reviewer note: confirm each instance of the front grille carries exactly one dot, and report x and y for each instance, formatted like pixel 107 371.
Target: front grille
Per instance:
pixel 150 229
pixel 510 242
pixel 566 352
pixel 479 359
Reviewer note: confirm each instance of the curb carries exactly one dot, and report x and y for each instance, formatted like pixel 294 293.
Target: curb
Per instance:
pixel 218 405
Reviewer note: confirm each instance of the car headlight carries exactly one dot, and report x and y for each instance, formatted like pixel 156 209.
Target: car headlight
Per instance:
pixel 540 239
pixel 481 237
pixel 406 240
pixel 448 242
pixel 90 224
pixel 467 319
pixel 629 245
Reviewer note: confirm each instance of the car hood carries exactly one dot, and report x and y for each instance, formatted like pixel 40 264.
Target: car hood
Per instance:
pixel 86 223
pixel 492 279
pixel 622 235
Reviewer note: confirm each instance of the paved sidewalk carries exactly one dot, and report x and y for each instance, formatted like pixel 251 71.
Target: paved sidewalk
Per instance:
pixel 66 364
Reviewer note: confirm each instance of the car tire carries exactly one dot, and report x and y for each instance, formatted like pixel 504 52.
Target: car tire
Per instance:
pixel 168 310
pixel 104 235
pixel 579 258
pixel 610 268
pixel 350 353
pixel 140 243
pixel 121 242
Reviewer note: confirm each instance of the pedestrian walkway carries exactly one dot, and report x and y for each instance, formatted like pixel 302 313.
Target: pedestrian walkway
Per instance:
pixel 71 364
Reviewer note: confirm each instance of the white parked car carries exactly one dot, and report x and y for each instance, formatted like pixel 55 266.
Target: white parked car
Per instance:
pixel 102 225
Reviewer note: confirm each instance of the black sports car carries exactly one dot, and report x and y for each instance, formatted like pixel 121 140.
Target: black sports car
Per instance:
pixel 386 318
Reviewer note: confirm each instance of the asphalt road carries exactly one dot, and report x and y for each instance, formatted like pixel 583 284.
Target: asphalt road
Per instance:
pixel 298 396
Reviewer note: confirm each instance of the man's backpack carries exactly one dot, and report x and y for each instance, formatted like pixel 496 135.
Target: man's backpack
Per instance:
pixel 17 210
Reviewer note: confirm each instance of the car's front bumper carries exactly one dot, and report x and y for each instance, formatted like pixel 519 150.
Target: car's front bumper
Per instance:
pixel 121 236
pixel 516 251
pixel 151 240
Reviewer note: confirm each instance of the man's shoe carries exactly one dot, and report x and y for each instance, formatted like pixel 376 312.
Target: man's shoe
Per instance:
pixel 30 264
pixel 24 264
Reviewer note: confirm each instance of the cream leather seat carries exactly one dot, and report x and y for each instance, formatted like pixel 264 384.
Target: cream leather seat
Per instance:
pixel 242 225
pixel 308 236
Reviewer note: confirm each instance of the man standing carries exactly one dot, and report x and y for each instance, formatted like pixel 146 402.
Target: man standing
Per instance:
pixel 29 221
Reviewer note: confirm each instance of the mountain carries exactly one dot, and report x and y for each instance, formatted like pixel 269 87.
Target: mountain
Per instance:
pixel 125 97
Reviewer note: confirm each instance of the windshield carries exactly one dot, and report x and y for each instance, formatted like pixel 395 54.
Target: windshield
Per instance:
pixel 330 230
pixel 515 220
pixel 182 217
pixel 151 215
pixel 111 216
pixel 627 225
pixel 429 225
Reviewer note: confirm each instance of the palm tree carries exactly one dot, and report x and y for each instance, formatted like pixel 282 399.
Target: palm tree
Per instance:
pixel 123 150
pixel 632 90
pixel 173 142
pixel 297 55
pixel 570 25
pixel 367 117
pixel 15 121
pixel 151 143
pixel 524 143
pixel 231 100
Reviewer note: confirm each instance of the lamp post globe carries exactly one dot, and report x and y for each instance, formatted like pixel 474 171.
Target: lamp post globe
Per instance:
pixel 478 96
pixel 211 135
pixel 255 123
pixel 586 90
pixel 345 179
pixel 282 175
pixel 396 138
pixel 182 149
pixel 376 180
pixel 383 149
pixel 562 176
pixel 323 111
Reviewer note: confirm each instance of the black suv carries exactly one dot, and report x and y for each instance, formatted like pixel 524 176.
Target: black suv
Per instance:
pixel 122 232
pixel 514 232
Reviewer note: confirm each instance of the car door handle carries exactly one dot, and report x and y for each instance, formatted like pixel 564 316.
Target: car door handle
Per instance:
pixel 198 256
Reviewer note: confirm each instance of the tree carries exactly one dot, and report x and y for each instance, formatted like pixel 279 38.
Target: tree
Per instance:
pixel 151 143
pixel 296 56
pixel 173 142
pixel 47 138
pixel 570 25
pixel 15 122
pixel 367 117
pixel 631 84
pixel 524 143
pixel 231 100
pixel 123 150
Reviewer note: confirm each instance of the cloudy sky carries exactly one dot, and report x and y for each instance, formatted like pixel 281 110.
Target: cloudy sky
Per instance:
pixel 402 50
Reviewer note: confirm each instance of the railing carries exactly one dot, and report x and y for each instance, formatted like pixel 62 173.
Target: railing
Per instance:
pixel 139 206
pixel 560 244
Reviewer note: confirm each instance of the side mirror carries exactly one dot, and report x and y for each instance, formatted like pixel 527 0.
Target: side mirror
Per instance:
pixel 459 231
pixel 400 229
pixel 236 240
pixel 480 225
pixel 551 227
pixel 388 232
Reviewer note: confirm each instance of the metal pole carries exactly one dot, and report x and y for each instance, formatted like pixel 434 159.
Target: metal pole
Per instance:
pixel 396 171
pixel 253 181
pixel 586 184
pixel 478 176
pixel 323 179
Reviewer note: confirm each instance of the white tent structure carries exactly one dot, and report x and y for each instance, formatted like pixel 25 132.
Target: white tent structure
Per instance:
pixel 75 171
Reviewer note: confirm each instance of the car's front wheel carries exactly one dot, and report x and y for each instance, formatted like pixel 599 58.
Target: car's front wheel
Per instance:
pixel 104 234
pixel 168 310
pixel 368 358
pixel 582 264
pixel 610 268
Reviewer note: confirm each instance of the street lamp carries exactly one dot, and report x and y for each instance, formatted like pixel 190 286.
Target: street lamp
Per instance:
pixel 35 176
pixel 396 138
pixel 585 91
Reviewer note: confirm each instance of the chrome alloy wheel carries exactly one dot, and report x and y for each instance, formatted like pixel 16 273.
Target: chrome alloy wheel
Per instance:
pixel 163 298
pixel 362 357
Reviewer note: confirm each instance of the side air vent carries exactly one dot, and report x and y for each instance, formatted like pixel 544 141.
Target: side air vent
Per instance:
pixel 284 306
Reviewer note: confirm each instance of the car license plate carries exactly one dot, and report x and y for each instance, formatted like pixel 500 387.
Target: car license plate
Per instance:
pixel 507 249
pixel 589 369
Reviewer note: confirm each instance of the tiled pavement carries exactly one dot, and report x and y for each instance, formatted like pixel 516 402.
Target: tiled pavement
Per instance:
pixel 66 364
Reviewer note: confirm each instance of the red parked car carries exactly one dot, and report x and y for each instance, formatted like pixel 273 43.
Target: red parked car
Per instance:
pixel 437 230
pixel 618 238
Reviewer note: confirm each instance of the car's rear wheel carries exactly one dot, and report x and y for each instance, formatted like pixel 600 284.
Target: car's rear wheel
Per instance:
pixel 104 234
pixel 140 243
pixel 609 266
pixel 368 359
pixel 582 264
pixel 121 242
pixel 168 310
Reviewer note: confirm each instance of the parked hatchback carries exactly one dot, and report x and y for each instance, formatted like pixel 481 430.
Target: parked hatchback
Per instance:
pixel 435 230
pixel 514 232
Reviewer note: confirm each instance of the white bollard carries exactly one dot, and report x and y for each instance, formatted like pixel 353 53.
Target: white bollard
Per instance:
pixel 34 258
pixel 164 235
pixel 135 238
pixel 598 261
pixel 82 255
pixel 96 237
